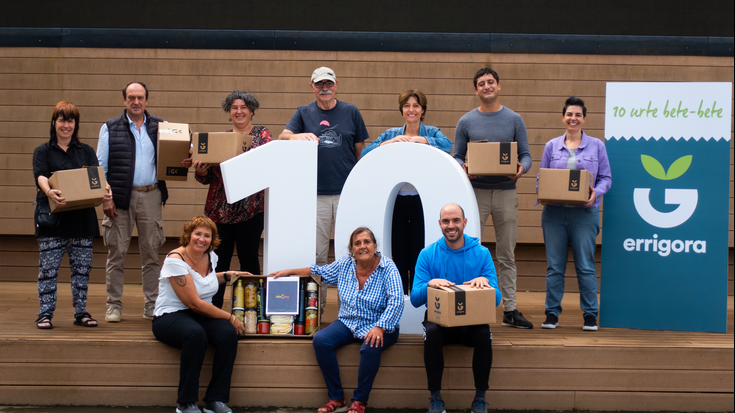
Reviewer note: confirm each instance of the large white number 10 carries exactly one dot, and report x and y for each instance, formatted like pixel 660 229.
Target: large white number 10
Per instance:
pixel 287 170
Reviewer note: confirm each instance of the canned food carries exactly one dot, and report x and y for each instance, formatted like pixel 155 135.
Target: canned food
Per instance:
pixel 251 295
pixel 312 286
pixel 264 327
pixel 239 313
pixel 251 321
pixel 281 328
pixel 311 320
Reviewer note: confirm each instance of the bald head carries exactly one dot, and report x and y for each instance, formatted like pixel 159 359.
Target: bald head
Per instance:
pixel 451 207
pixel 452 223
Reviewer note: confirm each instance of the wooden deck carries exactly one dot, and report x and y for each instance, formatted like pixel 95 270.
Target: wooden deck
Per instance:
pixel 563 369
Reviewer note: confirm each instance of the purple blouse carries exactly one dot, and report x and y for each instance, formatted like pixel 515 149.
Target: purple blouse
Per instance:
pixel 591 155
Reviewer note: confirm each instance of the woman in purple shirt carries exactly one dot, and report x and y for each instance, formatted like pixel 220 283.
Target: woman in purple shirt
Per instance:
pixel 578 225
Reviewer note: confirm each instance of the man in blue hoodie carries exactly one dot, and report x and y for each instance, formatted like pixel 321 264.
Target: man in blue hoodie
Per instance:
pixel 455 259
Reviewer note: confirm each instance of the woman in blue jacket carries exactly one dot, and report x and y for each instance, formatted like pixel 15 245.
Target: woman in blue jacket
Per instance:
pixel 408 214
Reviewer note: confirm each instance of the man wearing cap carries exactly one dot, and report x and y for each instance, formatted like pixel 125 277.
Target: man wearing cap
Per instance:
pixel 127 151
pixel 341 132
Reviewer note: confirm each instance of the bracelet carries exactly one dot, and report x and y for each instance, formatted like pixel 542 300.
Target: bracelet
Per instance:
pixel 226 276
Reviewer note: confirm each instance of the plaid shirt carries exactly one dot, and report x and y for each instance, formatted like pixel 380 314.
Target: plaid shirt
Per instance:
pixel 379 303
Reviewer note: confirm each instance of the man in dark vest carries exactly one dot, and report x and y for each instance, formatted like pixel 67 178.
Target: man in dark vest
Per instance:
pixel 127 151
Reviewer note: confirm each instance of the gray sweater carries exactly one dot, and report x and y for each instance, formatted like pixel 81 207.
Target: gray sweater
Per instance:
pixel 501 126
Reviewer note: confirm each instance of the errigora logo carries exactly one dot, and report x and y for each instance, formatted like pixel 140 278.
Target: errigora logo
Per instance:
pixel 686 199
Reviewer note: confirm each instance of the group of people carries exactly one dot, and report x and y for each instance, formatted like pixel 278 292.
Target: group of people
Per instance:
pixel 187 313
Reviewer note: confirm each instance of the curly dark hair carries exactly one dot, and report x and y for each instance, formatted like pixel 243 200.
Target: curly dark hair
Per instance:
pixel 250 101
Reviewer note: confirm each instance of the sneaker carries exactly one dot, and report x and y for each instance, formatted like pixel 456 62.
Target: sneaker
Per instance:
pixel 148 313
pixel 552 321
pixel 479 406
pixel 515 319
pixel 187 408
pixel 113 315
pixel 216 407
pixel 436 405
pixel 590 323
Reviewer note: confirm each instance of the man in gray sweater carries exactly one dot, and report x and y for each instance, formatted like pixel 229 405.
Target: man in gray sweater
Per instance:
pixel 496 195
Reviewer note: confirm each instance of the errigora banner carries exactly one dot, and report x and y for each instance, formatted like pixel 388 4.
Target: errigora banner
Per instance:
pixel 665 220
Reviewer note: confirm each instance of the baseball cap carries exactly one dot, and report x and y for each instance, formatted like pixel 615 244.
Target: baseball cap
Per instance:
pixel 323 73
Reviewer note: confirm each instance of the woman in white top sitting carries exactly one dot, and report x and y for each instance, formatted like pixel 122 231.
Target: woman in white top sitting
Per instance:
pixel 186 319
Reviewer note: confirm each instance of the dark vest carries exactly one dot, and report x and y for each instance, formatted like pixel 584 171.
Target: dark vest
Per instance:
pixel 121 157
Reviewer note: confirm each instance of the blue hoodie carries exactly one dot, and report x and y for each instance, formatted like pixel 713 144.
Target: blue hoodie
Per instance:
pixel 465 264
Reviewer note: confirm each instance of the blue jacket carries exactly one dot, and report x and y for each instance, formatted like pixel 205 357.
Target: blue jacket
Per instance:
pixel 432 134
pixel 465 264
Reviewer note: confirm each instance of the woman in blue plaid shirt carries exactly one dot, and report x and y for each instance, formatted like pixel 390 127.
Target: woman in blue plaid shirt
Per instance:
pixel 371 294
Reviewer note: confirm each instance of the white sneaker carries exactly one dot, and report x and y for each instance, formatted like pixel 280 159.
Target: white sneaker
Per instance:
pixel 148 313
pixel 113 315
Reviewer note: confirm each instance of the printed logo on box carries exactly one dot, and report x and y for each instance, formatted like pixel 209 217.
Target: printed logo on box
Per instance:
pixel 174 171
pixel 505 153
pixel 94 178
pixel 575 175
pixel 203 143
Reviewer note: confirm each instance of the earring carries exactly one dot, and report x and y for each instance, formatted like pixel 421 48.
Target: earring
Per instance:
pixel 230 119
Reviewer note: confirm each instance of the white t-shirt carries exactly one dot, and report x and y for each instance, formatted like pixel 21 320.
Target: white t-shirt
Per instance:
pixel 168 301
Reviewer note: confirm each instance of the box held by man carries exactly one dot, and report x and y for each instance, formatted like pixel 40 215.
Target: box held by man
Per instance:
pixel 174 141
pixel 80 188
pixel 461 305
pixel 564 186
pixel 492 158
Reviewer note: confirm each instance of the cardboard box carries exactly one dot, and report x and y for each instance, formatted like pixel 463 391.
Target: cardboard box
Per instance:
pixel 564 186
pixel 82 188
pixel 216 147
pixel 230 292
pixel 174 141
pixel 492 158
pixel 461 305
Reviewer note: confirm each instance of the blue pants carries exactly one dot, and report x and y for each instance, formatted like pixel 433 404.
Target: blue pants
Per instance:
pixel 337 335
pixel 578 226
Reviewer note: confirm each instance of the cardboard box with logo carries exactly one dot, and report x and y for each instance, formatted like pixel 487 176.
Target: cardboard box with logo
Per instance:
pixel 492 158
pixel 461 305
pixel 216 147
pixel 278 311
pixel 81 188
pixel 564 186
pixel 174 141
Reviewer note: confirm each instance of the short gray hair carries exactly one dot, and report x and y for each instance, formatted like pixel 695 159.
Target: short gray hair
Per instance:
pixel 250 101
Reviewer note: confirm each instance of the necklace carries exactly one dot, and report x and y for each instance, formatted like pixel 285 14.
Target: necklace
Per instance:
pixel 196 265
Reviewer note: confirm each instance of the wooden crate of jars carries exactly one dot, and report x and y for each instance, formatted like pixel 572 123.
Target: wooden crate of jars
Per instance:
pixel 252 312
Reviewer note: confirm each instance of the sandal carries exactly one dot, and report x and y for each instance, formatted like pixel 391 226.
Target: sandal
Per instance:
pixel 44 320
pixel 357 407
pixel 333 406
pixel 85 320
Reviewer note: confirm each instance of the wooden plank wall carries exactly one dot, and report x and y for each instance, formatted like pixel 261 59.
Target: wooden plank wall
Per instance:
pixel 188 86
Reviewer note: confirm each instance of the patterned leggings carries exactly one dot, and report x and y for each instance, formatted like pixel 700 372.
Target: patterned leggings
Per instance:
pixel 80 260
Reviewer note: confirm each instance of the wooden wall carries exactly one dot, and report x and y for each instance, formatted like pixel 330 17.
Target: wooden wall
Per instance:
pixel 188 86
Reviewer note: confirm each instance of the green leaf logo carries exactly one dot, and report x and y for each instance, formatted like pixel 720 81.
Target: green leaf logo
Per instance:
pixel 677 169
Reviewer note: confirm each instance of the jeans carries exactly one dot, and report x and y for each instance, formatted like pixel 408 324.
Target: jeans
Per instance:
pixel 407 236
pixel 337 335
pixel 478 337
pixel 191 332
pixel 578 226
pixel 246 236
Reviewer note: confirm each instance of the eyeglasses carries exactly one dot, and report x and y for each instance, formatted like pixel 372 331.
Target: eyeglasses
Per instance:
pixel 320 85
